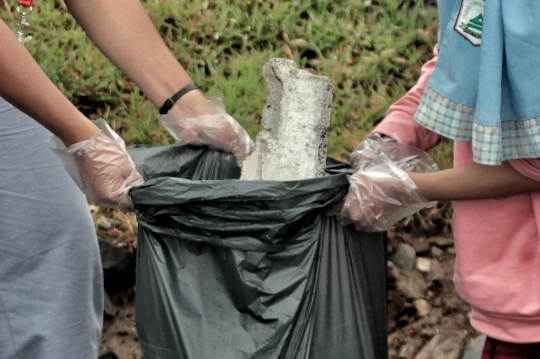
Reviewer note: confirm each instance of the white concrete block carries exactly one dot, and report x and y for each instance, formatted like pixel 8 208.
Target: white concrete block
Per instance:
pixel 296 119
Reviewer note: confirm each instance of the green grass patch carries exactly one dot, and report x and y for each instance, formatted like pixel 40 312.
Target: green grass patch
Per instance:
pixel 371 50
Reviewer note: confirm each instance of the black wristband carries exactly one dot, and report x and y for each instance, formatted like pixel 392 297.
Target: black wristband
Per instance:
pixel 171 100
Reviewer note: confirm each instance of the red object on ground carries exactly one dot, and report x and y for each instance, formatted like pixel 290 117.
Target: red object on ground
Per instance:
pixel 27 3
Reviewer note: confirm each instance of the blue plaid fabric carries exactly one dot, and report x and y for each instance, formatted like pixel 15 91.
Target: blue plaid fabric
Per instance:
pixel 491 144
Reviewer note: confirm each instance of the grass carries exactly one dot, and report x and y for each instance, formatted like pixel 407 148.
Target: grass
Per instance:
pixel 371 50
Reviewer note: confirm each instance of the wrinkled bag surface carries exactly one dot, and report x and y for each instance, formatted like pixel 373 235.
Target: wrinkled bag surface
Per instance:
pixel 251 269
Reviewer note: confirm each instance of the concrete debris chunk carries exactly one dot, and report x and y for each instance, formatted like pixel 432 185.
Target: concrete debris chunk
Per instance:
pixel 294 141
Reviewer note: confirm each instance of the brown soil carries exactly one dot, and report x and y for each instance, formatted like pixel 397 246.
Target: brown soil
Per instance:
pixel 120 334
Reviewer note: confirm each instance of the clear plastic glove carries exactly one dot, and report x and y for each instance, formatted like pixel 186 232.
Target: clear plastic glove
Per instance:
pixel 380 195
pixel 408 158
pixel 219 130
pixel 101 167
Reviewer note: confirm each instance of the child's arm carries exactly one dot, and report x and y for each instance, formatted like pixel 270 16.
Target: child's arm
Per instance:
pixel 382 193
pixel 476 181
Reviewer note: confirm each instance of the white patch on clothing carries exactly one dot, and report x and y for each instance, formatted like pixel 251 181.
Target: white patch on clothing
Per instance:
pixel 470 20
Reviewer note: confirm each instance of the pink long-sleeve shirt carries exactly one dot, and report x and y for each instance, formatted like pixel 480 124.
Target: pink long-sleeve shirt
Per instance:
pixel 497 240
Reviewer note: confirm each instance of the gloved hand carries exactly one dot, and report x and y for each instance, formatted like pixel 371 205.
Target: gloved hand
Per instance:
pixel 367 150
pixel 101 167
pixel 381 192
pixel 408 158
pixel 219 130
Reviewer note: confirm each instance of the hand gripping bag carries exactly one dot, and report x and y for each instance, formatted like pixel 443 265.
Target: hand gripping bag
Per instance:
pixel 251 269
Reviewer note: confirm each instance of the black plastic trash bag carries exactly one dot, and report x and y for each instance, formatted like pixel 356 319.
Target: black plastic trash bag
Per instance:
pixel 251 269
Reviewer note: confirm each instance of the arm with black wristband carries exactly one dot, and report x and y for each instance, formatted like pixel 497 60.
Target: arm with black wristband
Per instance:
pixel 123 31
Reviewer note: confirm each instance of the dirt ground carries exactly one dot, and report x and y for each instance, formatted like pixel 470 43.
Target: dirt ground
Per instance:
pixel 427 318
pixel 120 334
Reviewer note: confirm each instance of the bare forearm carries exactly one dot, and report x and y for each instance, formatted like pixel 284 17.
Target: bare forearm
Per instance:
pixel 25 86
pixel 123 31
pixel 474 182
